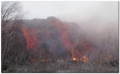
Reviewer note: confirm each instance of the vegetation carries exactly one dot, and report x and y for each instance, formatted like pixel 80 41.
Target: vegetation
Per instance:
pixel 52 46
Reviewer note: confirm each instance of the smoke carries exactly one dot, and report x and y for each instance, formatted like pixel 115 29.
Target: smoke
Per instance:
pixel 97 19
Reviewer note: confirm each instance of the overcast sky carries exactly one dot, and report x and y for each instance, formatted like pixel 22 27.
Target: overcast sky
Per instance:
pixel 92 12
pixel 67 9
pixel 96 18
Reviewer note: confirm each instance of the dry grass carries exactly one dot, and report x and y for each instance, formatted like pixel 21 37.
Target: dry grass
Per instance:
pixel 62 67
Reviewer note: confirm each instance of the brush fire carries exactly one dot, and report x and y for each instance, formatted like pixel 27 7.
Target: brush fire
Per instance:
pixel 62 34
pixel 84 59
pixel 75 37
pixel 54 41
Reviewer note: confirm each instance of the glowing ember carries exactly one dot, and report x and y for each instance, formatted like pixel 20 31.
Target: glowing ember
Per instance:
pixel 109 57
pixel 43 60
pixel 84 59
pixel 73 59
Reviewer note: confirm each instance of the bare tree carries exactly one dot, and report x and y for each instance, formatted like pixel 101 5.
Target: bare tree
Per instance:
pixel 11 15
pixel 10 11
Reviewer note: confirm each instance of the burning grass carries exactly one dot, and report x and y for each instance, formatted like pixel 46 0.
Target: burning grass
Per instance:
pixel 56 40
pixel 63 66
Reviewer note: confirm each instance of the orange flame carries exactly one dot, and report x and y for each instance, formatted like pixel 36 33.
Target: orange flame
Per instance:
pixel 64 37
pixel 31 41
pixel 73 59
pixel 28 39
pixel 84 59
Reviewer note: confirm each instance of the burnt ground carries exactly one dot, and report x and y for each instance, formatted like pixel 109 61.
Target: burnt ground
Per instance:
pixel 61 66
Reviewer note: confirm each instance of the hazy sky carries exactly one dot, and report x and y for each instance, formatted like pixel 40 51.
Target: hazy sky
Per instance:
pixel 96 18
pixel 96 13
pixel 67 9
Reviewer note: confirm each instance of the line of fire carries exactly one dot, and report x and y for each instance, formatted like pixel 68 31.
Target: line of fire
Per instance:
pixel 64 40
pixel 53 40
